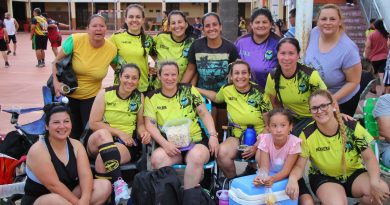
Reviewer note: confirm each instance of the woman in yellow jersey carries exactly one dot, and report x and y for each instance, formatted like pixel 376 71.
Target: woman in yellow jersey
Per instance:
pixel 117 116
pixel 175 44
pixel 246 105
pixel 173 101
pixel 91 56
pixel 291 83
pixel 133 44
pixel 336 149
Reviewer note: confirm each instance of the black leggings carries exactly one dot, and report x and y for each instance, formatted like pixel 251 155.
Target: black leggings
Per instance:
pixel 80 110
pixel 350 106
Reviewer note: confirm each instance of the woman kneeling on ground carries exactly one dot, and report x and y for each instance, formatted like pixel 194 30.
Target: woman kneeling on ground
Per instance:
pixel 117 118
pixel 58 170
pixel 174 101
pixel 336 149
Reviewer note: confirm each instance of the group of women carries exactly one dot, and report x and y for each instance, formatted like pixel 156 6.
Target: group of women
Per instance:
pixel 125 115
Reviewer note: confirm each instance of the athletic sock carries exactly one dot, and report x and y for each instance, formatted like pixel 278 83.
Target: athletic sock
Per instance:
pixel 111 159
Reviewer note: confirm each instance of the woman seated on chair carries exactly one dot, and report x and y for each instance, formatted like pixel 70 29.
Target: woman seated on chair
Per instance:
pixel 336 149
pixel 58 170
pixel 116 119
pixel 291 83
pixel 174 101
pixel 246 105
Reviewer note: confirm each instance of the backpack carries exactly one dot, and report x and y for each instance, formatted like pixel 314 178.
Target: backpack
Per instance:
pixel 15 145
pixel 160 187
pixel 197 196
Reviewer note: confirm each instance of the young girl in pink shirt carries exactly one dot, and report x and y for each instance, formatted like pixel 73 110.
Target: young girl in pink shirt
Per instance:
pixel 278 152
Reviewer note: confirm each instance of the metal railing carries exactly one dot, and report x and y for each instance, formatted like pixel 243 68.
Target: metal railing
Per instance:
pixel 376 9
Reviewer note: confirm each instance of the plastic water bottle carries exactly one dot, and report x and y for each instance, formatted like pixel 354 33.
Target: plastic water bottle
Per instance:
pixel 223 196
pixel 249 136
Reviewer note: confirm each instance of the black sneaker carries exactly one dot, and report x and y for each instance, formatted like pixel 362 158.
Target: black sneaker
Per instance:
pixel 8 52
pixel 14 53
pixel 248 171
pixel 6 65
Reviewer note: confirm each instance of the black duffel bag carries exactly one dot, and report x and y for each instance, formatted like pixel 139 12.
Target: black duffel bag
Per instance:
pixel 65 75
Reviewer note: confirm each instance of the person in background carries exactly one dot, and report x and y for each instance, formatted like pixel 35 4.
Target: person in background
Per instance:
pixel 336 150
pixel 57 166
pixel 336 57
pixel 38 36
pixel 386 77
pixel 91 57
pixel 3 43
pixel 291 18
pixel 349 3
pixel 258 48
pixel 371 28
pixel 164 22
pixel 241 26
pixel 197 27
pixel 376 51
pixel 12 27
pixel 382 115
pixel 54 34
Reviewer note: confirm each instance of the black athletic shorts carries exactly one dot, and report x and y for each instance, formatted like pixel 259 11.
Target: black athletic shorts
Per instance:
pixel 39 42
pixel 12 38
pixel 316 180
pixel 3 45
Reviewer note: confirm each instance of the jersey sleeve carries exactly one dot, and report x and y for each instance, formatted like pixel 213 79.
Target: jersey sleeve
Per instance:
pixel 197 97
pixel 305 151
pixel 316 81
pixel 265 104
pixel 149 110
pixel 270 86
pixel 295 147
pixel 363 138
pixel 220 96
pixel 351 57
pixel 67 45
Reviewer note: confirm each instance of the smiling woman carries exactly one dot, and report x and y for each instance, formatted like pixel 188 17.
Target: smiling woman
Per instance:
pixel 91 56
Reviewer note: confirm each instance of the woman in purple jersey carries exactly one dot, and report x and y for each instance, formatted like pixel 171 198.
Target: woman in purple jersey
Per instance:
pixel 258 48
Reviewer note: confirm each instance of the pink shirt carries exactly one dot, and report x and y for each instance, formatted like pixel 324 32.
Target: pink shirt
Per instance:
pixel 279 156
pixel 379 48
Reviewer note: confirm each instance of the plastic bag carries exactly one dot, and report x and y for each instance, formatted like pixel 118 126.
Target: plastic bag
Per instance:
pixel 178 131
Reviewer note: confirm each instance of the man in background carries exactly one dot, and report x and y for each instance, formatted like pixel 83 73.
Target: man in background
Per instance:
pixel 11 25
pixel 38 36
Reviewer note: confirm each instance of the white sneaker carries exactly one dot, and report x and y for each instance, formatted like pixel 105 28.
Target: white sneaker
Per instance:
pixel 352 4
pixel 121 190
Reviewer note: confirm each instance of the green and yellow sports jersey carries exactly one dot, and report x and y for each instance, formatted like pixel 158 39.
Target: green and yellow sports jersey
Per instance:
pixel 122 113
pixel 168 49
pixel 130 50
pixel 324 151
pixel 245 108
pixel 295 91
pixel 41 25
pixel 182 105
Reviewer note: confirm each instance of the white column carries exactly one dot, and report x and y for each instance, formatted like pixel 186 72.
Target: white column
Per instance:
pixel 209 6
pixel 163 6
pixel 28 10
pixel 303 23
pixel 73 14
pixel 9 8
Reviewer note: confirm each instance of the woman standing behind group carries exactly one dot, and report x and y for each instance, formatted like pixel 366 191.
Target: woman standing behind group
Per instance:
pixel 91 56
pixel 133 44
pixel 209 57
pixel 336 57
pixel 376 51
pixel 258 48
pixel 175 44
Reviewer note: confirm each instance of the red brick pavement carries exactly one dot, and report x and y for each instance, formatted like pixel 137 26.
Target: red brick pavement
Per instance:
pixel 21 83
